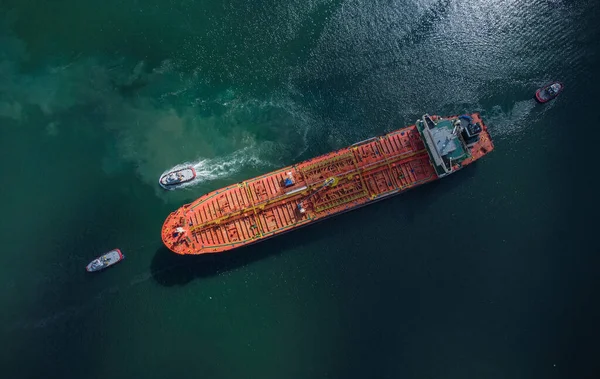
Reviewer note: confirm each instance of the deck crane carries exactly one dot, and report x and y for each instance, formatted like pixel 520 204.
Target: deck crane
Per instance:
pixel 327 183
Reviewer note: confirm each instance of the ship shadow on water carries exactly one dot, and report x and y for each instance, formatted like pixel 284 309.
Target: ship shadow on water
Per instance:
pixel 169 269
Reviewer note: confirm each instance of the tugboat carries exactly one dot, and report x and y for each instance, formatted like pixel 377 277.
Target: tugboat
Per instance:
pixel 177 177
pixel 105 260
pixel 549 92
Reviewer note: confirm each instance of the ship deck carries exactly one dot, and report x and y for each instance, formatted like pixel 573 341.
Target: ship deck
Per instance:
pixel 264 206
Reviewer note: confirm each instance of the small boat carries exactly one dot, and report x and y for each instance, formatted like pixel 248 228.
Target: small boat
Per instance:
pixel 177 177
pixel 105 260
pixel 549 92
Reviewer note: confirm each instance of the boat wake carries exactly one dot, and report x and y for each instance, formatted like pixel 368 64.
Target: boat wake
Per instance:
pixel 209 169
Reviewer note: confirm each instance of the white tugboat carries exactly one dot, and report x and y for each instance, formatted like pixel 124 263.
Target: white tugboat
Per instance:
pixel 105 260
pixel 177 177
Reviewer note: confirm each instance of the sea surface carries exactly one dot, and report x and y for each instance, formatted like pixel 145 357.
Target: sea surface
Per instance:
pixel 490 273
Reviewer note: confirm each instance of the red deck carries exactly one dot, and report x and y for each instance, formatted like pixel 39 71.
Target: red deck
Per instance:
pixel 263 207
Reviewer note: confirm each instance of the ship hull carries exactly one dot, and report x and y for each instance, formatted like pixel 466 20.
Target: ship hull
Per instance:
pixel 303 194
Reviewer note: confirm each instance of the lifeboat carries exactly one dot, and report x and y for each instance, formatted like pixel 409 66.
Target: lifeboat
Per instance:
pixel 177 177
pixel 549 92
pixel 106 260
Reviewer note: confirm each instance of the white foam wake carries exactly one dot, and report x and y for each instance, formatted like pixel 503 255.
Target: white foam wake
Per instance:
pixel 208 169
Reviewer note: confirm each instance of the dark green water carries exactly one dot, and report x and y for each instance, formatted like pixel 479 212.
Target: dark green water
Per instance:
pixel 489 273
